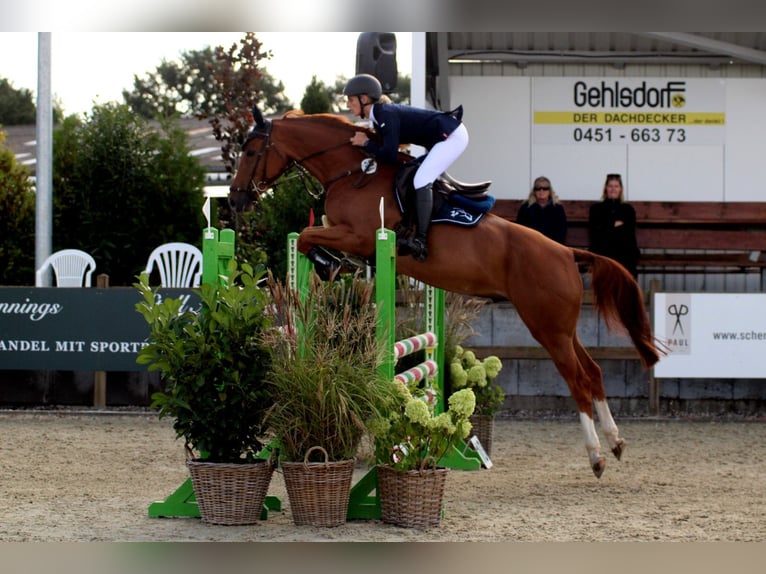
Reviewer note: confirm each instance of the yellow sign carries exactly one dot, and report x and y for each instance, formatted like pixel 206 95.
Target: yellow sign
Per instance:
pixel 631 118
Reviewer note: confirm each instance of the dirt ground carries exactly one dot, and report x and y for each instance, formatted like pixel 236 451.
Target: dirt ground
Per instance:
pixel 91 477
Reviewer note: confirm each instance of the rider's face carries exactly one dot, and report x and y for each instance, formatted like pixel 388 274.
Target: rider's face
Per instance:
pixel 355 106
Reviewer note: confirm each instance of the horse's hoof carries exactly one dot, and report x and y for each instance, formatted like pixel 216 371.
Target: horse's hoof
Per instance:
pixel 618 448
pixel 327 266
pixel 599 466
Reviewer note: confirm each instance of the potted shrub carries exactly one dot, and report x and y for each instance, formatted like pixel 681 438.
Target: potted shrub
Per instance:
pixel 409 443
pixel 467 371
pixel 325 384
pixel 213 365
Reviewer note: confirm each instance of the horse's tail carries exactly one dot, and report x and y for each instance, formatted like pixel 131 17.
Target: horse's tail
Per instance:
pixel 618 298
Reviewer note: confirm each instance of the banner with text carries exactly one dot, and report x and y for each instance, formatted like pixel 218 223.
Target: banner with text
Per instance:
pixel 72 329
pixel 711 335
pixel 628 111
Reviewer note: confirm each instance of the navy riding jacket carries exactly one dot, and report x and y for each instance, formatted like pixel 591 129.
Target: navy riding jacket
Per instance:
pixel 400 124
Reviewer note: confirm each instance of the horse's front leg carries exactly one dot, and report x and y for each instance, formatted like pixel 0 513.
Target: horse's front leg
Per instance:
pixel 338 237
pixel 315 243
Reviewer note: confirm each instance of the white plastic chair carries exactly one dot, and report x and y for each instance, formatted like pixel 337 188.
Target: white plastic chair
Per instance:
pixel 179 264
pixel 71 267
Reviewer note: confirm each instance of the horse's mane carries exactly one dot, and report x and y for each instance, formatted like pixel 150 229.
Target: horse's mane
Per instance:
pixel 330 125
pixel 328 120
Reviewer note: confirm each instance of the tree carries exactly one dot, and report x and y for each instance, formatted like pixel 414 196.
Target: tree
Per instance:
pixel 17 107
pixel 402 93
pixel 316 98
pixel 238 82
pixel 17 225
pixel 335 93
pixel 192 87
pixel 123 186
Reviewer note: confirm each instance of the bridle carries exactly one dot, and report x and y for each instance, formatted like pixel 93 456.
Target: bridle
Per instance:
pixel 263 129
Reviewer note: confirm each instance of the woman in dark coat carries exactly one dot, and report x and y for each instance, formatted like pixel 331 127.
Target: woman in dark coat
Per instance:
pixel 612 225
pixel 543 212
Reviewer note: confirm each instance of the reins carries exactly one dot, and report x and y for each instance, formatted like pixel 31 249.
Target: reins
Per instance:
pixel 301 171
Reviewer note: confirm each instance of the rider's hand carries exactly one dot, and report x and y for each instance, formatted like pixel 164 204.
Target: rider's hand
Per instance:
pixel 359 139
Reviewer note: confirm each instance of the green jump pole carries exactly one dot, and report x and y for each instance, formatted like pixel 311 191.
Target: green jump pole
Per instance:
pixel 217 251
pixel 298 267
pixel 385 298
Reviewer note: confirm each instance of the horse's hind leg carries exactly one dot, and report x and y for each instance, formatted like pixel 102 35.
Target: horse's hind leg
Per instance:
pixel 592 444
pixel 616 442
pixel 612 433
pixel 565 355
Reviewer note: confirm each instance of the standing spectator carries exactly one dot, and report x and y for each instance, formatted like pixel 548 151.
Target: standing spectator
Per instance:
pixel 612 225
pixel 543 212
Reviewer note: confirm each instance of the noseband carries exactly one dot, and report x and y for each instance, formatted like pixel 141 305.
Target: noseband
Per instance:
pixel 260 131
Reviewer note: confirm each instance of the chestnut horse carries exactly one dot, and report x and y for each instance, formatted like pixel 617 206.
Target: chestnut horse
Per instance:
pixel 496 259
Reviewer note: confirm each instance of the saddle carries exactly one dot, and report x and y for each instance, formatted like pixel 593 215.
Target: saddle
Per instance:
pixel 455 202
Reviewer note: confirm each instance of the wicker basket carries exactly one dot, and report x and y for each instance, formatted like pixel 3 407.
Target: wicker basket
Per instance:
pixel 318 491
pixel 230 493
pixel 484 428
pixel 412 499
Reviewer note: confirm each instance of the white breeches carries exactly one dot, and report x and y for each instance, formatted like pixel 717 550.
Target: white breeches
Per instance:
pixel 441 156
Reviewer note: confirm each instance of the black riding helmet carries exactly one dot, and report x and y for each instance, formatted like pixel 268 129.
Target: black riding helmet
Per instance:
pixel 363 84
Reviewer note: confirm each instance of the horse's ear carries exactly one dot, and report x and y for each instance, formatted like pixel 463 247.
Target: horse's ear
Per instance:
pixel 258 117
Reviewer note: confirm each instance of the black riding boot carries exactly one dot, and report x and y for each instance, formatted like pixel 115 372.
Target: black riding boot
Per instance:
pixel 424 202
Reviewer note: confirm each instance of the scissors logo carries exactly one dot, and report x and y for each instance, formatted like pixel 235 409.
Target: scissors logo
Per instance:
pixel 678 311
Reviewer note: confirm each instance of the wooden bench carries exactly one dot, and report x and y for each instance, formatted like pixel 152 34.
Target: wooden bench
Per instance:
pixel 676 236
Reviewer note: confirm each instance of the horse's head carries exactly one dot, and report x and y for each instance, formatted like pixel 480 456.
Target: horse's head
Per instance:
pixel 317 143
pixel 255 172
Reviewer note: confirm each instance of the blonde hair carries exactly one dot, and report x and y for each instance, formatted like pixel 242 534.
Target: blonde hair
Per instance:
pixel 532 199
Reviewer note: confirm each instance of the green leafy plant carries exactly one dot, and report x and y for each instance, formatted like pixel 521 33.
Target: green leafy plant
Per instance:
pixel 467 371
pixel 213 364
pixel 407 432
pixel 324 375
pixel 17 227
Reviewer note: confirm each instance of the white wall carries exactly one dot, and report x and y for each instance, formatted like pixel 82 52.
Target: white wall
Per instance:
pixel 745 154
pixel 499 118
pixel 496 113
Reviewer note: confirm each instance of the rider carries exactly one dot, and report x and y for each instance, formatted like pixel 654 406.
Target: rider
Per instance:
pixel 441 133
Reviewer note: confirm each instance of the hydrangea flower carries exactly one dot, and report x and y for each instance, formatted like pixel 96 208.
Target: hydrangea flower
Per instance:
pixel 466 371
pixel 408 433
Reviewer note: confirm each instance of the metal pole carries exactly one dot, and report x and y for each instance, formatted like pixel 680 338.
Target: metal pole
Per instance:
pixel 44 168
pixel 418 78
